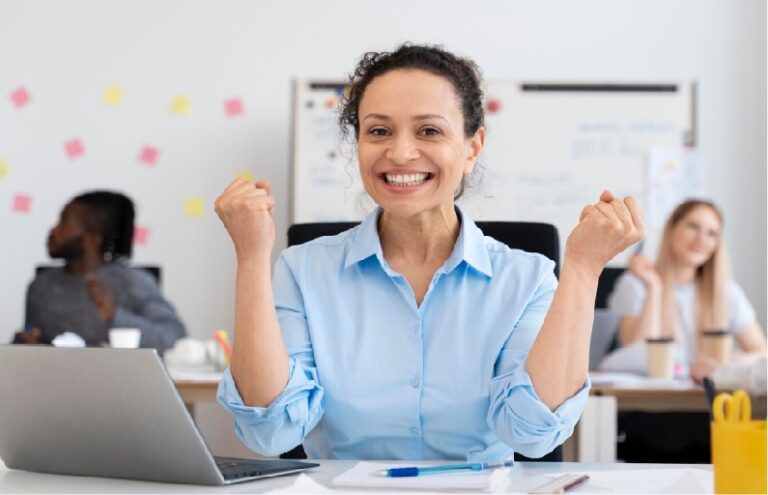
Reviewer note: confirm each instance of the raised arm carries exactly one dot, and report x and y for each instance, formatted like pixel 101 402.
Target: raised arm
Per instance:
pixel 648 323
pixel 259 362
pixel 559 359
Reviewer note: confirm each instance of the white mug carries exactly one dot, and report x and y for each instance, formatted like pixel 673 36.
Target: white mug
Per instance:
pixel 126 338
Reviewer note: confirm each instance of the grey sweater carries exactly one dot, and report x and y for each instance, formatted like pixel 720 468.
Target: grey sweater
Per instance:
pixel 58 302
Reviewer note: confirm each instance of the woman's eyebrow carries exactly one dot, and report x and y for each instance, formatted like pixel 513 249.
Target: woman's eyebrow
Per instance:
pixel 429 116
pixel 425 116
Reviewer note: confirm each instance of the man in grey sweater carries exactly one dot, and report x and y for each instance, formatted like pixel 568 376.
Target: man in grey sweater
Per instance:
pixel 96 290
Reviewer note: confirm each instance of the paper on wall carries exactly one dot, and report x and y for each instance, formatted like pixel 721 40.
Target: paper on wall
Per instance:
pixel 672 175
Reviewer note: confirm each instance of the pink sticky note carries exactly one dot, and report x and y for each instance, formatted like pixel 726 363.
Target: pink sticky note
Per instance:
pixel 20 97
pixel 493 105
pixel 74 148
pixel 22 203
pixel 148 155
pixel 140 235
pixel 233 107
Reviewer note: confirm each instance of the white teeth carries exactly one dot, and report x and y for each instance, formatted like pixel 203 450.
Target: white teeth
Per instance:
pixel 406 179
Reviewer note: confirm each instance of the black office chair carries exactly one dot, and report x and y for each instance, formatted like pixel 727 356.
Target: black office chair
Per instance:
pixel 529 236
pixel 154 270
pixel 605 285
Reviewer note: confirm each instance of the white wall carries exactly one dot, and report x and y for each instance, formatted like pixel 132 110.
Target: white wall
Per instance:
pixel 66 52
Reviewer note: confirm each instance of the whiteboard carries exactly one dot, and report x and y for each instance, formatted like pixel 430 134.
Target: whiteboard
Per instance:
pixel 551 148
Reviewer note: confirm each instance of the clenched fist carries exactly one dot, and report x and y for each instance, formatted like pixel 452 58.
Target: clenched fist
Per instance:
pixel 101 295
pixel 245 209
pixel 604 230
pixel 645 270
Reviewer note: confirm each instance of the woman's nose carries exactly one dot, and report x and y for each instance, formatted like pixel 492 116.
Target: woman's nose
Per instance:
pixel 403 149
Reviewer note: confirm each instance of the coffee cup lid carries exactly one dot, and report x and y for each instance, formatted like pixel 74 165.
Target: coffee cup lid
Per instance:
pixel 715 333
pixel 659 340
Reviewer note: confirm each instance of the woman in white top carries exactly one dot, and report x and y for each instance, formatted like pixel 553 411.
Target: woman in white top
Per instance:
pixel 687 291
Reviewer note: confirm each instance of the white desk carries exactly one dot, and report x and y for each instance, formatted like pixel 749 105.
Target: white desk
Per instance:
pixel 525 476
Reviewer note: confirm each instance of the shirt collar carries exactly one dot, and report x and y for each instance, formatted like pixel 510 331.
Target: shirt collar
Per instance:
pixel 470 246
pixel 365 242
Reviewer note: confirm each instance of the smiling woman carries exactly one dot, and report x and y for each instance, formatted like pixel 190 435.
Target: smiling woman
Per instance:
pixel 412 335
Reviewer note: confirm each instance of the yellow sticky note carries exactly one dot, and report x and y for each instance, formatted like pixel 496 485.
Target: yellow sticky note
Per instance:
pixel 113 95
pixel 3 169
pixel 194 207
pixel 180 105
pixel 245 174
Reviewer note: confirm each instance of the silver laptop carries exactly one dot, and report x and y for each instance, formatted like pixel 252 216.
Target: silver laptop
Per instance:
pixel 108 412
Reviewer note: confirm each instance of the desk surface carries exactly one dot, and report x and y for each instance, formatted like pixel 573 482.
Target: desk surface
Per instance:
pixel 525 476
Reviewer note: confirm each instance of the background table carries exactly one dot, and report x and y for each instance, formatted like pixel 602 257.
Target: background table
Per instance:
pixel 595 437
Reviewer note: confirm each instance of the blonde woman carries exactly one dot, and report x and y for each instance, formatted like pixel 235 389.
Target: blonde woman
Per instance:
pixel 687 291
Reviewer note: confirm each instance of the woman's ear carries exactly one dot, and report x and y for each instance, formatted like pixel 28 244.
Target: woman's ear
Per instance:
pixel 474 148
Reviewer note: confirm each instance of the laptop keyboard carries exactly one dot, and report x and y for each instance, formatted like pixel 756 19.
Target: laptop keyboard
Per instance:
pixel 239 469
pixel 233 468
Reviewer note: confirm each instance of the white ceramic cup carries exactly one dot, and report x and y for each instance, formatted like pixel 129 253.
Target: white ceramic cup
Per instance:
pixel 126 338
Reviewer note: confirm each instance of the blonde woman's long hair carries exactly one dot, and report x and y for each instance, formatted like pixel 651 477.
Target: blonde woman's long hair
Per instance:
pixel 710 280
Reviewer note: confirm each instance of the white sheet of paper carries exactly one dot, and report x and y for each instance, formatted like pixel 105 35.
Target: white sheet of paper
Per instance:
pixel 686 480
pixel 302 484
pixel 366 475
pixel 671 176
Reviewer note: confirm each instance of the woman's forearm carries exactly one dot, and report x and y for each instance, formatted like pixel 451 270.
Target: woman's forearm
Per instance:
pixel 558 362
pixel 259 361
pixel 648 324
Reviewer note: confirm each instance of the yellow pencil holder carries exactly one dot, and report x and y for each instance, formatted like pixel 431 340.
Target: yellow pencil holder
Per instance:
pixel 738 456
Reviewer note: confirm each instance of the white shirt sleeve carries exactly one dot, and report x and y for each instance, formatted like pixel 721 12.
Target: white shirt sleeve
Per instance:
pixel 628 296
pixel 740 310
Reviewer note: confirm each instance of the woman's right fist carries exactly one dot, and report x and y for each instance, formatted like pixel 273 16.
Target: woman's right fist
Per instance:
pixel 245 209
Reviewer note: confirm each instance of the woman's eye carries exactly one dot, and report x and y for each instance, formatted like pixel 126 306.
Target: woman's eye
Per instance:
pixel 377 131
pixel 430 131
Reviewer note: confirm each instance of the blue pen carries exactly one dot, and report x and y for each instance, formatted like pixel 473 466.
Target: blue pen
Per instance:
pixel 448 468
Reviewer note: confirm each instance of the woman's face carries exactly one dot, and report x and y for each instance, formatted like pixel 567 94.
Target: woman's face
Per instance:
pixel 696 236
pixel 411 147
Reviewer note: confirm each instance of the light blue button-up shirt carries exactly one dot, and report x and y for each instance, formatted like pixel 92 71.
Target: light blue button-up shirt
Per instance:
pixel 374 376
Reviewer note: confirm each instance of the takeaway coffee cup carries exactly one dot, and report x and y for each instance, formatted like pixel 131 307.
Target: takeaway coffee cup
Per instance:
pixel 660 356
pixel 126 338
pixel 717 345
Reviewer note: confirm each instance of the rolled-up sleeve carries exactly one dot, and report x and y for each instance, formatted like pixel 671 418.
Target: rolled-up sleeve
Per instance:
pixel 285 422
pixel 517 414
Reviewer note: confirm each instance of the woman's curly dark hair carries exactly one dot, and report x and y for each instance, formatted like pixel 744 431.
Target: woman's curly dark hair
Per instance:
pixel 463 73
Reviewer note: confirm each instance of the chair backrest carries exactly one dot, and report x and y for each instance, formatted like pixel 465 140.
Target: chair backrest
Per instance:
pixel 154 270
pixel 604 336
pixel 605 285
pixel 529 236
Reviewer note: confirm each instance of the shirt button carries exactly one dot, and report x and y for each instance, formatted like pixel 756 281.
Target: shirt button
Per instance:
pixel 415 430
pixel 415 382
